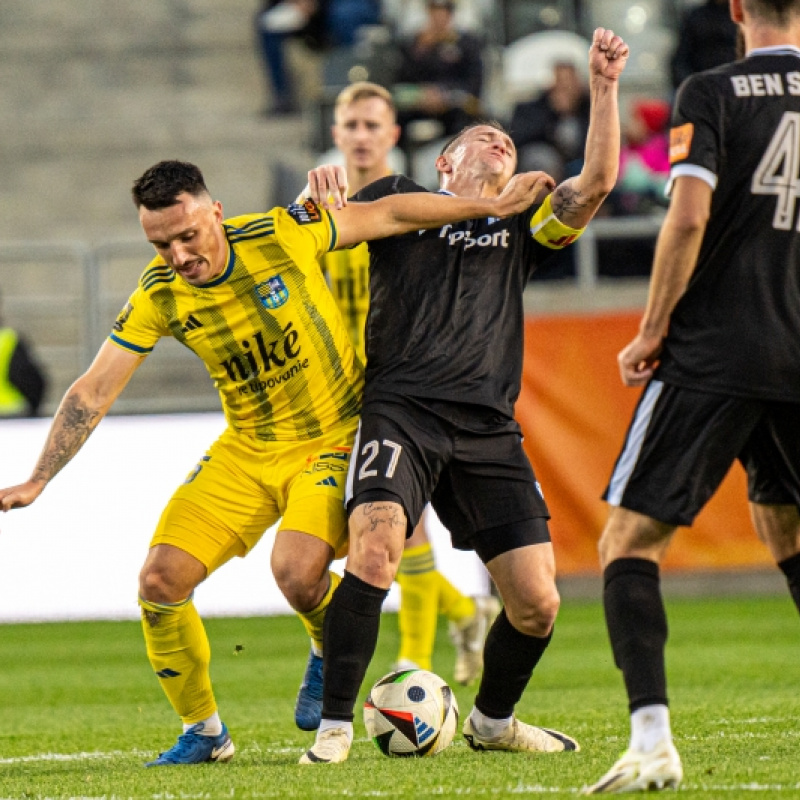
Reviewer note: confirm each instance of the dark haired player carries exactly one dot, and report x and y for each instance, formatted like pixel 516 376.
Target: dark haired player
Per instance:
pixel 718 351
pixel 444 362
pixel 248 297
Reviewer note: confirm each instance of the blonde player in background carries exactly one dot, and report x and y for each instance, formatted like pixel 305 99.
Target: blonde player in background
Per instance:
pixel 364 132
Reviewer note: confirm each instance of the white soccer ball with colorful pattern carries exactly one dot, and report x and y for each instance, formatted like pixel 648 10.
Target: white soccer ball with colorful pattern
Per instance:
pixel 411 713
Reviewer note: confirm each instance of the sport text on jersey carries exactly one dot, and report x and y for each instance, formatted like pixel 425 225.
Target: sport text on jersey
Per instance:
pixel 496 239
pixel 250 366
pixel 771 84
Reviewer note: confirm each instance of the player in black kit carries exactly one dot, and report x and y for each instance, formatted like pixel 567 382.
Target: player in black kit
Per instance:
pixel 444 362
pixel 719 352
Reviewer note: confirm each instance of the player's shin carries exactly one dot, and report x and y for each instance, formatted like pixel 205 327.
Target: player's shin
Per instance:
pixel 419 605
pixel 350 636
pixel 179 652
pixel 313 620
pixel 509 658
pixel 637 628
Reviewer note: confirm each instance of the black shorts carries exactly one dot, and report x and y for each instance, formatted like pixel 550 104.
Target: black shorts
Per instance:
pixel 466 460
pixel 681 444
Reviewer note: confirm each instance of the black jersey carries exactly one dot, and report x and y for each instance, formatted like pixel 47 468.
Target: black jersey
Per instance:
pixel 445 319
pixel 736 330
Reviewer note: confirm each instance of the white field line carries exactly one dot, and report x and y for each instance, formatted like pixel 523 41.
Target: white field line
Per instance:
pixel 499 791
pixel 520 789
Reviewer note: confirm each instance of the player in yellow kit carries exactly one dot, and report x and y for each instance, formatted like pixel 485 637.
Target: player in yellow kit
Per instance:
pixel 364 132
pixel 247 296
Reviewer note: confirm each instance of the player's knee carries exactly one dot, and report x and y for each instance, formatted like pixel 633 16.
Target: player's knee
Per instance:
pixel 169 574
pixel 375 559
pixel 300 564
pixel 303 585
pixel 377 539
pixel 536 614
pixel 157 585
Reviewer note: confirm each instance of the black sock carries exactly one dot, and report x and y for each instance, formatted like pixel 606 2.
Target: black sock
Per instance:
pixel 349 636
pixel 509 658
pixel 637 627
pixel 791 569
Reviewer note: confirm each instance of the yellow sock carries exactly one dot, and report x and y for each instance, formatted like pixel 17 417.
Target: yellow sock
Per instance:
pixel 178 649
pixel 314 619
pixel 419 605
pixel 452 603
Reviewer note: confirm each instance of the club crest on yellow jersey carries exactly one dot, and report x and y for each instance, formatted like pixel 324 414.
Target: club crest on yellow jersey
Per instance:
pixel 272 292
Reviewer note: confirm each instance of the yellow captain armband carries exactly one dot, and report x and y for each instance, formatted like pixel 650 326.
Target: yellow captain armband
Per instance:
pixel 549 231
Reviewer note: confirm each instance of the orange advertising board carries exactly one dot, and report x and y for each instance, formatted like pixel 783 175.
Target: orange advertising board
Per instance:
pixel 574 411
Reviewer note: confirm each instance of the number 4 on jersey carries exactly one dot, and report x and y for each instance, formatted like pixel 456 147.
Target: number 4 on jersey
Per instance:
pixel 778 172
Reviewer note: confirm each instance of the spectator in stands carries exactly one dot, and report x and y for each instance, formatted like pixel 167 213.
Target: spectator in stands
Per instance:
pixel 643 174
pixel 644 158
pixel 440 74
pixel 318 23
pixel 706 38
pixel 22 381
pixel 550 130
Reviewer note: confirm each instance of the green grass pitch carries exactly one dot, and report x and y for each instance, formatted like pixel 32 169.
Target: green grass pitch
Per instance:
pixel 81 712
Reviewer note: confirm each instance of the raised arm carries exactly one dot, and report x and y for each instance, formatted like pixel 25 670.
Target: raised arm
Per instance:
pixel 576 200
pixel 676 254
pixel 401 213
pixel 83 406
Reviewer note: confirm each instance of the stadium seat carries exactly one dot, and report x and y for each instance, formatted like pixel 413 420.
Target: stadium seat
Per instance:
pixel 406 17
pixel 627 18
pixel 528 62
pixel 647 71
pixel 522 17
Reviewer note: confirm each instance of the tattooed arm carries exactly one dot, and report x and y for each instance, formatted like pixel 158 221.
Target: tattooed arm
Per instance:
pixel 84 405
pixel 576 200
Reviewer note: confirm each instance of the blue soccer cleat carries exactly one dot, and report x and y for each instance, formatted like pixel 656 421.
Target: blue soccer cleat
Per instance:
pixel 194 748
pixel 308 706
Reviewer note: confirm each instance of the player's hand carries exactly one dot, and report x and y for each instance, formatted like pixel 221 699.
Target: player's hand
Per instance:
pixel 522 191
pixel 328 186
pixel 637 361
pixel 20 496
pixel 607 55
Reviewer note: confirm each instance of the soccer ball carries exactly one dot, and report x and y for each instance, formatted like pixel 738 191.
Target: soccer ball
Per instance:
pixel 411 713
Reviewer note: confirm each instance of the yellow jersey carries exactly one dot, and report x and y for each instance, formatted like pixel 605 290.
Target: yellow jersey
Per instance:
pixel 348 277
pixel 267 329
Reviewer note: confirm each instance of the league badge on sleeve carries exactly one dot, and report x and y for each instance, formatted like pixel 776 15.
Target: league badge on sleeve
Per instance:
pixel 122 317
pixel 680 142
pixel 304 213
pixel 272 292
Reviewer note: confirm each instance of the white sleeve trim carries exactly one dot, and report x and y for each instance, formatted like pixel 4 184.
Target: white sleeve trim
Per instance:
pixel 693 171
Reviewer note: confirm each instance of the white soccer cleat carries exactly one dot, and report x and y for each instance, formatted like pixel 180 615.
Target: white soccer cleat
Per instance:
pixel 331 747
pixel 521 738
pixel 642 772
pixel 469 636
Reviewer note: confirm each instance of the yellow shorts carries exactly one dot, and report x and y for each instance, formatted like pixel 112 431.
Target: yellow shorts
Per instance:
pixel 242 486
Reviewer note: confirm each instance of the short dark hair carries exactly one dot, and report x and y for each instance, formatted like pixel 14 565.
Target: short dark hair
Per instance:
pixel 451 143
pixel 160 185
pixel 773 12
